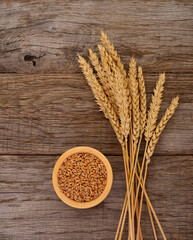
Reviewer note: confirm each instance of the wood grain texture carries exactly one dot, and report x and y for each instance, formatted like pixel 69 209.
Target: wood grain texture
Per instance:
pixel 48 114
pixel 45 36
pixel 46 108
pixel 30 209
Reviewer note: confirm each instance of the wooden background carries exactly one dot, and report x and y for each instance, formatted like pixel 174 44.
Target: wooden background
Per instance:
pixel 46 108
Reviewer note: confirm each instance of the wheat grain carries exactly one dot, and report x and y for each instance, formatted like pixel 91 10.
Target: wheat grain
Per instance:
pixel 101 97
pixel 142 94
pixel 160 127
pixel 133 86
pixel 154 107
pixel 79 186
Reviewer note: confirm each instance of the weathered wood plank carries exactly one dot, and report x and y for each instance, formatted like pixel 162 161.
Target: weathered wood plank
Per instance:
pixel 44 114
pixel 30 209
pixel 45 36
pixel 48 114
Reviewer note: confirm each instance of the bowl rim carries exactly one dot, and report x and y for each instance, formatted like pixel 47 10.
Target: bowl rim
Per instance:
pixel 63 197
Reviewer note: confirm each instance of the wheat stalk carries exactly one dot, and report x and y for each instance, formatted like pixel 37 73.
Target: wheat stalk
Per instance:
pixel 142 94
pixel 133 85
pixel 154 107
pixel 101 97
pixel 111 62
pixel 160 127
pixel 121 98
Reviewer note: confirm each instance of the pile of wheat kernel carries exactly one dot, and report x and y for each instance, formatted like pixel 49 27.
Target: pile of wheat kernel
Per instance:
pixel 82 177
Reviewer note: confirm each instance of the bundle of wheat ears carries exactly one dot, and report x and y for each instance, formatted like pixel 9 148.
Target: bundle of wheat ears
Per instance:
pixel 122 98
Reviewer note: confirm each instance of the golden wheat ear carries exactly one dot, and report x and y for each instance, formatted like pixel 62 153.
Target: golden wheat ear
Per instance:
pixel 142 94
pixel 104 78
pixel 100 73
pixel 133 87
pixel 115 63
pixel 160 127
pixel 154 107
pixel 101 97
pixel 113 53
pixel 119 92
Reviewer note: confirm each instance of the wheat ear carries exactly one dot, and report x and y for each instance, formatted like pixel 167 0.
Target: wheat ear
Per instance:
pixel 100 73
pixel 110 48
pixel 133 86
pixel 154 107
pixel 118 89
pixel 160 127
pixel 142 94
pixel 123 103
pixel 109 74
pixel 104 79
pixel 117 60
pixel 101 97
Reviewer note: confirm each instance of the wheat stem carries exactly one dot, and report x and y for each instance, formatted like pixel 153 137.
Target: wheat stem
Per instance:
pixel 131 179
pixel 122 226
pixel 141 202
pixel 151 207
pixel 131 192
pixel 125 157
pixel 152 222
pixel 122 217
pixel 141 173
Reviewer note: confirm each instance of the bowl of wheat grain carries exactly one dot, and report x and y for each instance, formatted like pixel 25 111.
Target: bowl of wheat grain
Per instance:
pixel 82 177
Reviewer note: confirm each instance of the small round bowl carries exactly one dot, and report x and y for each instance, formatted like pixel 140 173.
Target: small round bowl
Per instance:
pixel 71 202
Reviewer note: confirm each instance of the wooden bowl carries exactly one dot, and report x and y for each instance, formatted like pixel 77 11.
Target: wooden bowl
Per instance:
pixel 71 202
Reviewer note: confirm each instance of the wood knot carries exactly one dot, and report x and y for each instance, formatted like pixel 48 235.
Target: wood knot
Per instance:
pixel 29 58
pixel 33 59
